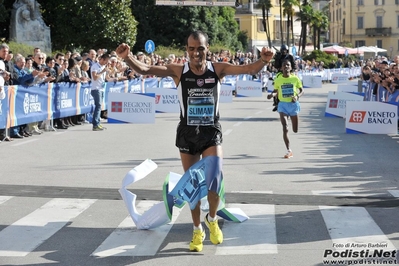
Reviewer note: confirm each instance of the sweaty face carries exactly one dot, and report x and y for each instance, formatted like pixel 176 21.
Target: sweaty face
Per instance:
pixel 287 66
pixel 197 50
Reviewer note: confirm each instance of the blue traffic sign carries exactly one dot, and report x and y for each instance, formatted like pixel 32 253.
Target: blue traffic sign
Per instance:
pixel 149 46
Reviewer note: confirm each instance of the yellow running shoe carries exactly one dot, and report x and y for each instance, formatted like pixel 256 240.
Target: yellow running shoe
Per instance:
pixel 198 238
pixel 216 233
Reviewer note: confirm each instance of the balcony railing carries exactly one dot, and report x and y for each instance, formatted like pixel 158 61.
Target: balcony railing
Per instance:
pixel 379 31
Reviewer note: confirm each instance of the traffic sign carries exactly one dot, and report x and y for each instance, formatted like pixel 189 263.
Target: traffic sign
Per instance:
pixel 149 46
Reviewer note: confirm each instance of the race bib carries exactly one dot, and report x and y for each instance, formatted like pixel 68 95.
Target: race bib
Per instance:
pixel 200 111
pixel 287 90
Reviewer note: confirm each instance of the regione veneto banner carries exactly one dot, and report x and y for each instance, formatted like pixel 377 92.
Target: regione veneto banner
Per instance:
pixel 136 108
pixel 371 118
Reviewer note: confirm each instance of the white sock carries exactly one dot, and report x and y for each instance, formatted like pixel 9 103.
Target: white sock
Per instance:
pixel 210 219
pixel 198 227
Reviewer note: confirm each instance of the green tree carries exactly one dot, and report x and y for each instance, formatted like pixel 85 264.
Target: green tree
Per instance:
pixel 85 24
pixel 5 15
pixel 288 10
pixel 170 25
pixel 281 22
pixel 266 5
pixel 305 15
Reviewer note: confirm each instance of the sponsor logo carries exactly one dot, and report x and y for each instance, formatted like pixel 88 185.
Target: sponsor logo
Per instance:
pixel 26 103
pixel 157 98
pixel 210 80
pixel 333 103
pixel 116 107
pixel 200 82
pixel 357 117
pixel 31 103
pixel 86 97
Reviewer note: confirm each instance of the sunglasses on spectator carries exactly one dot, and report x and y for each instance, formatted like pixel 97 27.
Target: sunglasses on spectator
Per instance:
pixel 41 57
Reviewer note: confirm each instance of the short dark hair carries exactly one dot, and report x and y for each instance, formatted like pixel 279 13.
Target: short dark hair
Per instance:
pixel 196 35
pixel 104 56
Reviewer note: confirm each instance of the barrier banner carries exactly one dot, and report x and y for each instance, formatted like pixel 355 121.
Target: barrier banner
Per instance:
pixel 166 100
pixel 85 100
pixel 371 118
pixel 131 108
pixel 135 86
pixel 30 104
pixel 114 87
pixel 347 87
pixel 336 103
pixel 226 93
pixel 65 95
pixel 339 78
pixel 382 94
pixel 161 213
pixel 4 109
pixel 312 81
pixel 167 82
pixel 150 83
pixel 248 89
pixel 230 80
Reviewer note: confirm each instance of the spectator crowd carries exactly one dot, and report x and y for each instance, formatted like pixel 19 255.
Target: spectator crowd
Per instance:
pixel 37 68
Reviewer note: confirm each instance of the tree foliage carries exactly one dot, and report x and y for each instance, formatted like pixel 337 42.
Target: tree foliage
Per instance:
pixel 85 24
pixel 170 25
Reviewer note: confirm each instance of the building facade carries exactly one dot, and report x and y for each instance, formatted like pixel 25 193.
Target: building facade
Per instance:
pixel 365 23
pixel 249 17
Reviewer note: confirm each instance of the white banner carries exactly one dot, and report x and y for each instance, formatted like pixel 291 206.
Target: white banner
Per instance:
pixel 339 78
pixel 166 100
pixel 245 88
pixel 226 94
pixel 371 118
pixel 310 81
pixel 347 88
pixel 336 103
pixel 131 108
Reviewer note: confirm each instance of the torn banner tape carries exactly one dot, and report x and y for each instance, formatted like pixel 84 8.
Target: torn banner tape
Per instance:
pixel 177 190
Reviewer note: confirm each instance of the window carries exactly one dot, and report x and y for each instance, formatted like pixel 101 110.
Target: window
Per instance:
pixel 343 26
pixel 277 29
pixel 379 2
pixel 360 2
pixel 260 26
pixel 379 21
pixel 360 22
pixel 379 43
pixel 360 43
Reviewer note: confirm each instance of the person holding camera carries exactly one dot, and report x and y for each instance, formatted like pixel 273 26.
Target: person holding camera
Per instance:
pixel 288 89
pixel 279 58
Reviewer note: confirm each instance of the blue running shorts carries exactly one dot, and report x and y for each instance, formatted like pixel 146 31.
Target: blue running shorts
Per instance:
pixel 290 109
